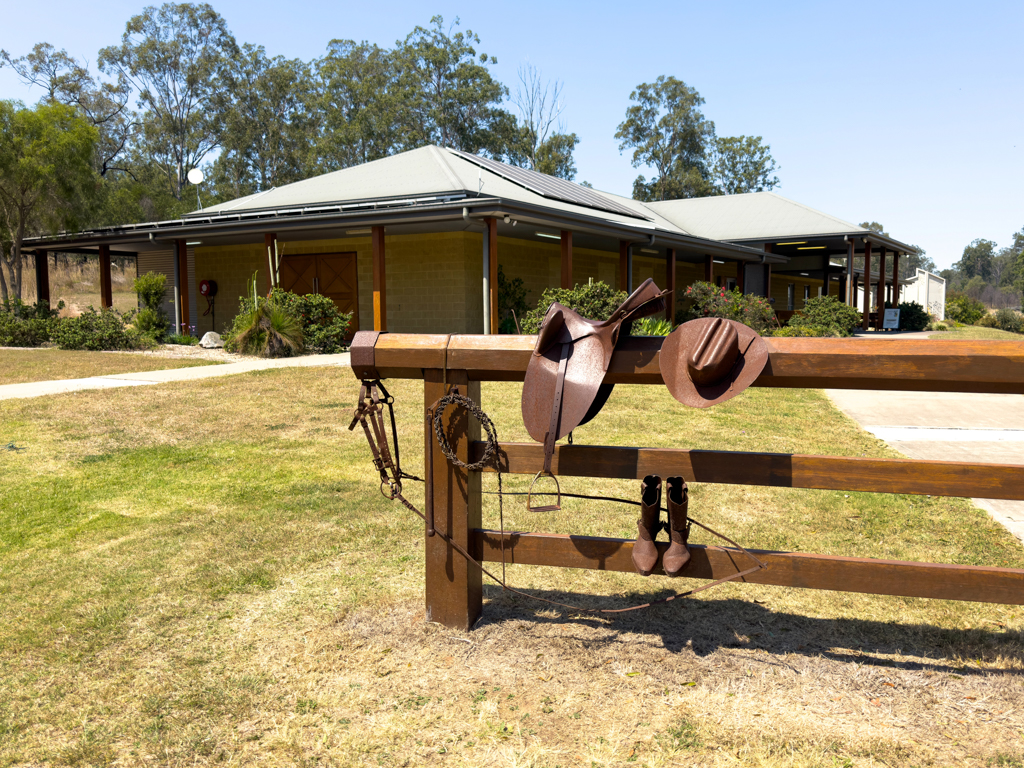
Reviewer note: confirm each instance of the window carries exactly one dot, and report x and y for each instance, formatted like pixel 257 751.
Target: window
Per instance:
pixel 791 296
pixel 807 292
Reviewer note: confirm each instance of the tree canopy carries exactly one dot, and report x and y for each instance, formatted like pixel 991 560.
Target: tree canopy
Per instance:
pixel 669 133
pixel 46 178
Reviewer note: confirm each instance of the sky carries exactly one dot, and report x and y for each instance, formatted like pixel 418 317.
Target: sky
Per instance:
pixel 909 114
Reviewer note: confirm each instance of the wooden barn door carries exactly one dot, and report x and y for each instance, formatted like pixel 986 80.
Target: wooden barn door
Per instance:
pixel 333 275
pixel 298 274
pixel 338 281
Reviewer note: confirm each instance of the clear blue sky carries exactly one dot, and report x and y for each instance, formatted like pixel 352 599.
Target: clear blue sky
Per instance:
pixel 910 114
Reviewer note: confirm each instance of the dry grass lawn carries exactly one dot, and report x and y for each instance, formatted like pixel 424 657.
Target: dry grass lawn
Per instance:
pixel 205 574
pixel 976 333
pixel 22 365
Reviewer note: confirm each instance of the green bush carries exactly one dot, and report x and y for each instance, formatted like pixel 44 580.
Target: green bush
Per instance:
pixel 27 325
pixel 324 328
pixel 652 326
pixel 913 317
pixel 828 316
pixel 1011 321
pixel 511 301
pixel 988 321
pixel 92 330
pixel 150 320
pixel 704 299
pixel 150 288
pixel 800 331
pixel 185 339
pixel 595 301
pixel 963 309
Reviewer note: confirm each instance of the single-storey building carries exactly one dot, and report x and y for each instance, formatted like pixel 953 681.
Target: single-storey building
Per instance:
pixel 414 242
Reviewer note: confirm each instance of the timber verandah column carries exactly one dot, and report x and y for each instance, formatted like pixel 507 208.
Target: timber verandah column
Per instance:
pixel 380 293
pixel 850 295
pixel 42 277
pixel 896 278
pixel 709 269
pixel 106 290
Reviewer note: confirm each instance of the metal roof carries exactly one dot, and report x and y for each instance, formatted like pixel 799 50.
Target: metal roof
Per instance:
pixel 552 186
pixel 758 216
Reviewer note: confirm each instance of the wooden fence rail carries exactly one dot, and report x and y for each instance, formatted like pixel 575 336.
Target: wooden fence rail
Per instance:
pixel 454 587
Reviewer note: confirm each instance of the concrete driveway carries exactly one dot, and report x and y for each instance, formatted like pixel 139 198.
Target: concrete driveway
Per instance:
pixel 947 426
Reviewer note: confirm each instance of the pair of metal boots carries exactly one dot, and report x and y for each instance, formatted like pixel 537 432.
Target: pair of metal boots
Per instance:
pixel 645 550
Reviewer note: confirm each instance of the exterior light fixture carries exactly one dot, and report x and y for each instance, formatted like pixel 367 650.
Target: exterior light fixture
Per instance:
pixel 195 242
pixel 718 261
pixel 805 274
pixel 357 231
pixel 548 234
pixel 812 248
pixel 647 250
pixel 795 242
pixel 508 219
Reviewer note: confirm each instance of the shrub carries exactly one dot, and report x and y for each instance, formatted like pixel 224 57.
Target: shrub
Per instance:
pixel 704 299
pixel 939 327
pixel 27 325
pixel 963 309
pixel 92 330
pixel 595 301
pixel 988 321
pixel 913 316
pixel 828 316
pixel 150 288
pixel 1011 321
pixel 652 326
pixel 511 301
pixel 150 320
pixel 800 331
pixel 264 327
pixel 185 339
pixel 324 328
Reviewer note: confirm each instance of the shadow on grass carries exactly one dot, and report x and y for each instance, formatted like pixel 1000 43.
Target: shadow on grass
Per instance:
pixel 705 626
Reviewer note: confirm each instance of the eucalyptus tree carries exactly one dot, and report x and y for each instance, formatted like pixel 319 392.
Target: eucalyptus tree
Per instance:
pixel 743 164
pixel 541 141
pixel 266 127
pixel 47 179
pixel 363 98
pixel 175 57
pixel 66 80
pixel 667 131
pixel 456 102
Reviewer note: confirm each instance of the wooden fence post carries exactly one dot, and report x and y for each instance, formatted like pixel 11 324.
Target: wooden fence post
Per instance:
pixel 454 587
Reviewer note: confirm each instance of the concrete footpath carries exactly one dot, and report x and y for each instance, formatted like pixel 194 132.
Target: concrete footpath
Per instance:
pixel 947 426
pixel 40 388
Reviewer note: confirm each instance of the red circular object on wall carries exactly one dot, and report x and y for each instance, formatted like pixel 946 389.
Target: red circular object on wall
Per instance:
pixel 208 288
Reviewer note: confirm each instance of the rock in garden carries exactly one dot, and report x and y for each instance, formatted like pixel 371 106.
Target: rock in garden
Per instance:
pixel 211 340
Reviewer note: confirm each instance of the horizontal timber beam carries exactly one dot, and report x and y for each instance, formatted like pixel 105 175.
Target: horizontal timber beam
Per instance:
pixel 898 364
pixel 779 470
pixel 786 569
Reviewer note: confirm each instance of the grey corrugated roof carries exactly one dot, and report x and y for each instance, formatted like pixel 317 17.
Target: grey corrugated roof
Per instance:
pixel 755 215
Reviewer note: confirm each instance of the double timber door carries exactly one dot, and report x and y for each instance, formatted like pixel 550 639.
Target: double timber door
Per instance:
pixel 332 275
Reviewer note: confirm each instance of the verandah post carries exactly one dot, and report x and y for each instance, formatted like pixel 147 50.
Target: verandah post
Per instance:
pixel 454 587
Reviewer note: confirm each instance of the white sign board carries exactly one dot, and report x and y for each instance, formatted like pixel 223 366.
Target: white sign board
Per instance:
pixel 891 319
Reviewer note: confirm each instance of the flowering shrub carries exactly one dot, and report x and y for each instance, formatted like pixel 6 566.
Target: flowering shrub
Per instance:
pixel 704 299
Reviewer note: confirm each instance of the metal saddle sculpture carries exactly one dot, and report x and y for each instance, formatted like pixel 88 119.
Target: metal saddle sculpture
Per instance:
pixel 703 362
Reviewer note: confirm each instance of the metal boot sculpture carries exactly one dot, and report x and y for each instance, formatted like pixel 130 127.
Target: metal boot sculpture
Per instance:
pixel 678 554
pixel 645 551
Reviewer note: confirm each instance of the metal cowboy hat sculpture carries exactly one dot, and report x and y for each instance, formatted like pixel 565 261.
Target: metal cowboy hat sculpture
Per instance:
pixel 703 362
